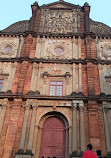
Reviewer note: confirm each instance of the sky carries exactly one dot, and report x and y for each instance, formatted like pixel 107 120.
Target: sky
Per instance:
pixel 12 11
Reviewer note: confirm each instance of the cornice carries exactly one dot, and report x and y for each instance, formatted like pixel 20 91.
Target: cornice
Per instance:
pixel 59 61
pixel 38 96
pixel 69 5
pixel 55 35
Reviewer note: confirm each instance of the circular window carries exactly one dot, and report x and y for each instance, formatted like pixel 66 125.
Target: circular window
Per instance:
pixel 8 49
pixel 108 52
pixel 58 51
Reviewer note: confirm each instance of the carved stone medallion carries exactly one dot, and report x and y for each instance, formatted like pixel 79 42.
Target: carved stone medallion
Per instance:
pixel 8 48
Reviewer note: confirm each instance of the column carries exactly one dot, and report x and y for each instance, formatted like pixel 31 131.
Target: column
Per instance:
pixel 107 130
pixel 42 47
pixel 31 132
pixel 80 78
pixel 11 76
pixel 79 49
pixel 22 139
pixel 34 77
pixel 82 128
pixel 73 47
pixel 70 139
pixel 38 78
pixel 2 114
pixel 75 78
pixel 74 128
pixel 67 145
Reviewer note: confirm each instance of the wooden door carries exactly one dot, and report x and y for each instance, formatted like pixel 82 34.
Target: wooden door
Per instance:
pixel 53 138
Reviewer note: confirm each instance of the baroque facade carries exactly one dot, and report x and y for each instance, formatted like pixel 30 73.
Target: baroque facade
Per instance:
pixel 55 84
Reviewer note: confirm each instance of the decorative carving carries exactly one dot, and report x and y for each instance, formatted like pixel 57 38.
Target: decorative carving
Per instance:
pixel 6 44
pixel 53 44
pixel 104 49
pixel 61 21
pixel 33 93
pixel 56 70
pixel 4 70
pixel 67 74
pixel 67 80
pixel 54 107
pixel 45 79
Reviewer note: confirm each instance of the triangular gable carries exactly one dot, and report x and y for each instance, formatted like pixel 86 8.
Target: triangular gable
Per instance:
pixel 60 4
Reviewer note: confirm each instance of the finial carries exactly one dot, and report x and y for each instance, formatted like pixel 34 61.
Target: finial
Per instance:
pixel 35 3
pixel 86 4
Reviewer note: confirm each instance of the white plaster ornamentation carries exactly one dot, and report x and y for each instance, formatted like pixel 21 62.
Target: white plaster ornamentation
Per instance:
pixel 53 44
pixel 105 51
pixel 11 45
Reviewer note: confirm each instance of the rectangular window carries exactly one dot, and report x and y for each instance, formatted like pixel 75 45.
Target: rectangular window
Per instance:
pixel 1 84
pixel 56 88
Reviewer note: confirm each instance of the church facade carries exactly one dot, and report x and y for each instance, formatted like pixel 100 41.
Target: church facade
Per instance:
pixel 55 84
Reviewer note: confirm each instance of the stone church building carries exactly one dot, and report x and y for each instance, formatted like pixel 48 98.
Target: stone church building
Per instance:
pixel 55 84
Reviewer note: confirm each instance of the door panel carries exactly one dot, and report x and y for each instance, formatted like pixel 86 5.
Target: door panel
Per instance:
pixel 53 138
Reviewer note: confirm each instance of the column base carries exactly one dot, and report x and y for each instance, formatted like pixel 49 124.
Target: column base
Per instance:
pixel 109 155
pixel 22 154
pixel 75 155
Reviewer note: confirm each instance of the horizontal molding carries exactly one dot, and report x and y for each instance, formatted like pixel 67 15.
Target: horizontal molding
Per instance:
pixel 61 61
pixel 38 96
pixel 55 35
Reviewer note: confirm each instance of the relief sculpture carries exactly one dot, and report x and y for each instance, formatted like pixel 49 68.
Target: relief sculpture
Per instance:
pixel 58 21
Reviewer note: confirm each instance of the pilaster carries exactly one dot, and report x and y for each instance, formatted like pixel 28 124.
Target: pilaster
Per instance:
pixel 107 129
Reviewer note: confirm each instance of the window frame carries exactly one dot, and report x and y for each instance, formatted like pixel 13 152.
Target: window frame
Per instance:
pixel 1 83
pixel 57 51
pixel 6 51
pixel 56 87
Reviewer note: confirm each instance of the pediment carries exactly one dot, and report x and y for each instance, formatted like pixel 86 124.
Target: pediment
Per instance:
pixel 61 4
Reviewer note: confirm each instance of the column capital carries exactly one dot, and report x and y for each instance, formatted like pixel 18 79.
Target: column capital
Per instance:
pixel 105 106
pixel 35 65
pixel 77 104
pixel 105 109
pixel 104 103
pixel 77 101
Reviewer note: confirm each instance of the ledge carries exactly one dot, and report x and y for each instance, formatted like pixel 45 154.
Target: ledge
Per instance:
pixel 37 95
pixel 21 152
pixel 57 35
pixel 61 61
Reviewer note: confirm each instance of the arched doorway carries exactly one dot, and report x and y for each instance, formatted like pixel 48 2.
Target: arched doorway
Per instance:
pixel 53 138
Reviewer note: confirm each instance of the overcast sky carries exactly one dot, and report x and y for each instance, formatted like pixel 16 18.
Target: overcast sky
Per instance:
pixel 12 11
